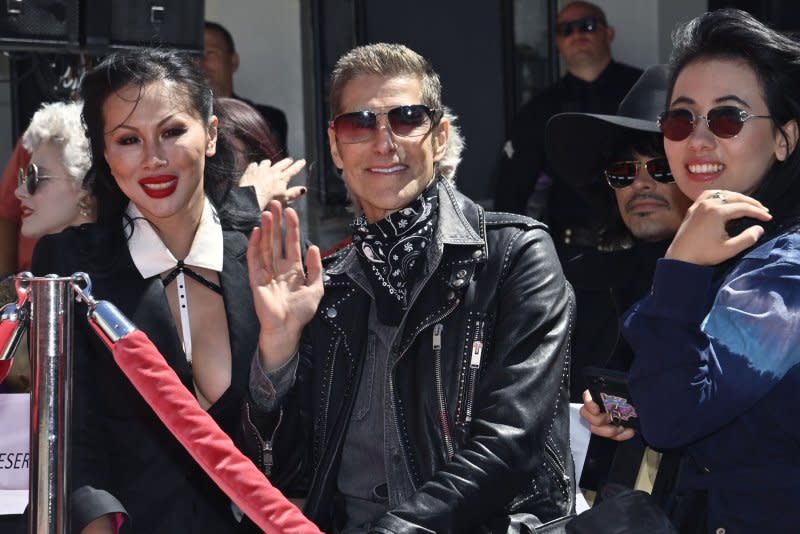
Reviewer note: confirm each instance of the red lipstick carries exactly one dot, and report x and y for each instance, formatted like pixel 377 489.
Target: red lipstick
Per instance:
pixel 159 186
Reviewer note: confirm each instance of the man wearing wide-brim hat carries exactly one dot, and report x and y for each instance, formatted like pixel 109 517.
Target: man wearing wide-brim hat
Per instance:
pixel 618 163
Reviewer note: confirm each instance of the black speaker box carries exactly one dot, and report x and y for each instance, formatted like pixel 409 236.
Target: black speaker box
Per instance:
pixel 47 25
pixel 131 23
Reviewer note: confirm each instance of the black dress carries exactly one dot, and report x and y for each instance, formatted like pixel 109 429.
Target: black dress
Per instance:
pixel 118 444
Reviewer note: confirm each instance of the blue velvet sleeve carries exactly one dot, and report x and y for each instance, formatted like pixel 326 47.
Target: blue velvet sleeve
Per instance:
pixel 704 356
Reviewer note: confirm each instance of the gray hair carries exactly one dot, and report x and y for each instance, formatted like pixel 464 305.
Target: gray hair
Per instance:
pixel 389 60
pixel 455 146
pixel 60 123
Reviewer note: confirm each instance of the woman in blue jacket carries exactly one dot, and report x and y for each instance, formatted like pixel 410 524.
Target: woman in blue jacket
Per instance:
pixel 717 341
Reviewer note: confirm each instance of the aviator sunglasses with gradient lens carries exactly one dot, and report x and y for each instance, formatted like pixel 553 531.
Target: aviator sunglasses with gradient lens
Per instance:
pixel 584 25
pixel 620 174
pixel 404 121
pixel 29 178
pixel 723 121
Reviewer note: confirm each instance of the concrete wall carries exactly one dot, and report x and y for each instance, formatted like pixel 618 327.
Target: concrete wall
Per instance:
pixel 673 12
pixel 268 39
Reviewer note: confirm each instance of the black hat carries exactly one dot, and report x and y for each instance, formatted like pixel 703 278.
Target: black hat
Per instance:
pixel 579 144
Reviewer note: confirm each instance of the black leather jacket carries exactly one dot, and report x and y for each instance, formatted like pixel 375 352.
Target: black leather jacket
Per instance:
pixel 502 455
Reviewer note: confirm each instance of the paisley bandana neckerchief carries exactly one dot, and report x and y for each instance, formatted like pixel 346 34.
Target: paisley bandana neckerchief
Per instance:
pixel 392 252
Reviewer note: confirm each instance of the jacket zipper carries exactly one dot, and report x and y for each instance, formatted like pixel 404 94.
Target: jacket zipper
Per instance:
pixel 323 424
pixel 474 369
pixel 437 355
pixel 555 460
pixel 560 468
pixel 266 449
pixel 391 375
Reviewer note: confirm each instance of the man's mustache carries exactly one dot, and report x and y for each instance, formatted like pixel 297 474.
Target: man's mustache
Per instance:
pixel 644 196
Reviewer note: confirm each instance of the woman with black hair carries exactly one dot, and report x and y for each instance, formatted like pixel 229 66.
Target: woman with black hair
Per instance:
pixel 716 341
pixel 159 252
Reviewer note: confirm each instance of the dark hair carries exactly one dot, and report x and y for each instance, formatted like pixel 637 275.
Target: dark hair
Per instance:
pixel 239 121
pixel 627 143
pixel 384 59
pixel 242 132
pixel 733 34
pixel 223 31
pixel 140 68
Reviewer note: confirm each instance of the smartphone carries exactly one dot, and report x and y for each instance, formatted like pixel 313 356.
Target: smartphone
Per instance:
pixel 609 389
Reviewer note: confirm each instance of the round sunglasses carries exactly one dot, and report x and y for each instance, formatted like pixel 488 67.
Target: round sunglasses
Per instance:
pixel 723 121
pixel 621 174
pixel 29 178
pixel 404 121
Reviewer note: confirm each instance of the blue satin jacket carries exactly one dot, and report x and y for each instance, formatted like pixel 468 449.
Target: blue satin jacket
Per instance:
pixel 716 372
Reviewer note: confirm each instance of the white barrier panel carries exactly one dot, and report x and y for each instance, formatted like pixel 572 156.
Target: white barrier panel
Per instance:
pixel 14 452
pixel 579 442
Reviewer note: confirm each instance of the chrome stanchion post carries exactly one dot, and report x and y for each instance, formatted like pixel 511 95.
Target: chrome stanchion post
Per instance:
pixel 52 307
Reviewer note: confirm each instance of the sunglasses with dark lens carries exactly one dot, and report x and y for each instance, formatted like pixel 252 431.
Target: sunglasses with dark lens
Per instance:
pixel 585 25
pixel 620 174
pixel 29 178
pixel 404 121
pixel 723 121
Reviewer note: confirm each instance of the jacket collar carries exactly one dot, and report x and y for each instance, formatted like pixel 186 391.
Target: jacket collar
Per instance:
pixel 452 228
pixel 152 257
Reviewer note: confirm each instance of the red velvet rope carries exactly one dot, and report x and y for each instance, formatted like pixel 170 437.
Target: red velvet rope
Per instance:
pixel 5 367
pixel 211 448
pixel 7 329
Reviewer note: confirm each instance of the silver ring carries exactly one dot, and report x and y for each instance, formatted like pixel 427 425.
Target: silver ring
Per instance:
pixel 719 196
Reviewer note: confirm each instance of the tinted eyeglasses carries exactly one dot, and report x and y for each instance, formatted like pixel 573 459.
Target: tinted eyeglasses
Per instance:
pixel 585 25
pixel 723 121
pixel 405 121
pixel 29 178
pixel 620 174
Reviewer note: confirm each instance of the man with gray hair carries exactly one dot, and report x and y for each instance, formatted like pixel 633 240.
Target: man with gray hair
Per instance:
pixel 425 391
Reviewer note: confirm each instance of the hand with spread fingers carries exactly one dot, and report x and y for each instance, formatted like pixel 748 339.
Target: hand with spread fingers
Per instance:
pixel 600 422
pixel 271 181
pixel 285 297
pixel 702 238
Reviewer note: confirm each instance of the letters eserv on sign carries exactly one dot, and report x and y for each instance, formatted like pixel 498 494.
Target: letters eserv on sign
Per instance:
pixel 14 452
pixel 14 460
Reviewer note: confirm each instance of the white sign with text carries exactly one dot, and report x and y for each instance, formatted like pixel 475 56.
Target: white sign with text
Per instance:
pixel 14 452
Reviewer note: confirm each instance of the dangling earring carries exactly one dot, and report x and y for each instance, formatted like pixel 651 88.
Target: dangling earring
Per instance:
pixel 84 207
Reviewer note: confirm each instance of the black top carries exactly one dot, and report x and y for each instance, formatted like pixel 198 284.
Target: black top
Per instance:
pixel 606 284
pixel 118 444
pixel 519 171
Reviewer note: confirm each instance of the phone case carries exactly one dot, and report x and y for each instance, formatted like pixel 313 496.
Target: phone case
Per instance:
pixel 609 389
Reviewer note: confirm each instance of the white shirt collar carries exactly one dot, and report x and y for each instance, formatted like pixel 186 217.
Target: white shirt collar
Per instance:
pixel 152 257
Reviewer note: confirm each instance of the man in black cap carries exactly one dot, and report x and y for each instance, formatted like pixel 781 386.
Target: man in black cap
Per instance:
pixel 594 83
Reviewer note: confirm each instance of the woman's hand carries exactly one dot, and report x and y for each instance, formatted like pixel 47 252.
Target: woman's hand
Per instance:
pixel 285 297
pixel 702 238
pixel 600 422
pixel 271 182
